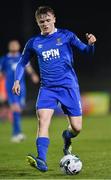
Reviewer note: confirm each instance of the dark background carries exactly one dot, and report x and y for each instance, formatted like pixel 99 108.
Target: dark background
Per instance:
pixel 17 20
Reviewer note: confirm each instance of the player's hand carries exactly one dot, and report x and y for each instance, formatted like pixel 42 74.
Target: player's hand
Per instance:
pixel 16 88
pixel 90 38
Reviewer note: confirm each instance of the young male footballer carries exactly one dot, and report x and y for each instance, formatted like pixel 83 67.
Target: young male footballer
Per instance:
pixel 59 84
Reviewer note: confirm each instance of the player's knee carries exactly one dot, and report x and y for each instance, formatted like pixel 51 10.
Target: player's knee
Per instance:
pixel 77 128
pixel 44 118
pixel 76 123
pixel 15 108
pixel 43 123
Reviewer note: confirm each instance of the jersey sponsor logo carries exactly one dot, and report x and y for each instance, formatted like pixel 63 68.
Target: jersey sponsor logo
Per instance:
pixel 51 54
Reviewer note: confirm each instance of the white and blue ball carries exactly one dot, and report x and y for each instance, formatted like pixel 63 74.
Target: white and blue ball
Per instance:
pixel 70 164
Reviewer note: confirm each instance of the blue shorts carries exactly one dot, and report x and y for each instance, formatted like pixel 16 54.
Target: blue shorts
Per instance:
pixel 13 98
pixel 69 98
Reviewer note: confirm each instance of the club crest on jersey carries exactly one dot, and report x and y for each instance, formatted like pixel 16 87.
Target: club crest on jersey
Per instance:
pixel 40 46
pixel 59 41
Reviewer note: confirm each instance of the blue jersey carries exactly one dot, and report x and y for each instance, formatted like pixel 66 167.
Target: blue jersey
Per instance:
pixel 8 65
pixel 55 58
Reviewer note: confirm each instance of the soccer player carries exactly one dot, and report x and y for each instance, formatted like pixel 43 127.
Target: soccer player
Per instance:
pixel 17 103
pixel 59 84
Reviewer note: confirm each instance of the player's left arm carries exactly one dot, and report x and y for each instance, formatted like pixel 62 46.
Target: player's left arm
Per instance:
pixel 88 48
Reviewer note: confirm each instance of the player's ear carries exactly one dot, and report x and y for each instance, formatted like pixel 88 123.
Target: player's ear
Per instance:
pixel 54 19
pixel 36 20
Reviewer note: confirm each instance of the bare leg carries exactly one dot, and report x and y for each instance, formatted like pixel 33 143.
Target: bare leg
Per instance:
pixel 44 118
pixel 42 141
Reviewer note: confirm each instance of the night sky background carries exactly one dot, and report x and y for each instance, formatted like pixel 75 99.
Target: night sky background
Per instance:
pixel 17 20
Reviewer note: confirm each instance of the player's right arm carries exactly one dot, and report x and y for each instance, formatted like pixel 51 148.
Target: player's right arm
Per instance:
pixel 75 41
pixel 24 59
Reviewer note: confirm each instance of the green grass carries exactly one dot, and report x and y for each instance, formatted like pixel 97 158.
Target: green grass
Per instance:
pixel 93 145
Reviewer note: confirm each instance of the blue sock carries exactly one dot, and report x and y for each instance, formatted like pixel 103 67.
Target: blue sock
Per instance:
pixel 70 134
pixel 16 123
pixel 42 144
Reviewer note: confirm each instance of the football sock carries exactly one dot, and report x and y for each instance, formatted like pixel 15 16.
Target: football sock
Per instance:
pixel 71 134
pixel 42 144
pixel 16 123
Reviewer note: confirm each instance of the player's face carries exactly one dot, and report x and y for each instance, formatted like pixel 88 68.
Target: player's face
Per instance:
pixel 14 46
pixel 46 23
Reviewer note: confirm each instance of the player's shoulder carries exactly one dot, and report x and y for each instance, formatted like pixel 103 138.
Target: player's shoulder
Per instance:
pixel 32 40
pixel 67 32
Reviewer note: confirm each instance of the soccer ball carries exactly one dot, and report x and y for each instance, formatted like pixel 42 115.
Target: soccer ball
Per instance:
pixel 70 164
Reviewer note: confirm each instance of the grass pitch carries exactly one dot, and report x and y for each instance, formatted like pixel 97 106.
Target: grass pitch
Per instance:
pixel 93 146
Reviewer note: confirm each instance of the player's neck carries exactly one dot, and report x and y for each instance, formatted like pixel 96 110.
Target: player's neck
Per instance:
pixel 53 31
